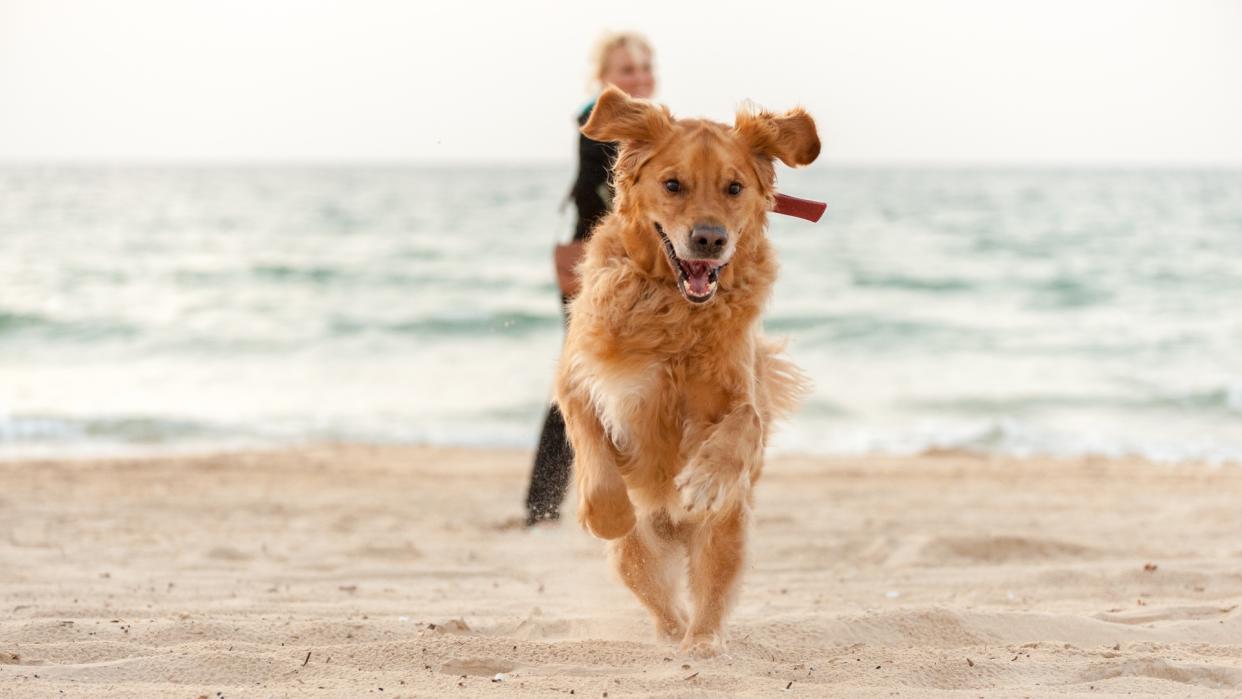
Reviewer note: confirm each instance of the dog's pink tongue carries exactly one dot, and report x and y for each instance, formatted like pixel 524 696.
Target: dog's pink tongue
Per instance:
pixel 698 278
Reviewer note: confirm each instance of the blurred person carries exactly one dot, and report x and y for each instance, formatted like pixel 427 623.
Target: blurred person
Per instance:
pixel 623 59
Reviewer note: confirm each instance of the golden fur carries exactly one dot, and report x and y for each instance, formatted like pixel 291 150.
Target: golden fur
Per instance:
pixel 668 403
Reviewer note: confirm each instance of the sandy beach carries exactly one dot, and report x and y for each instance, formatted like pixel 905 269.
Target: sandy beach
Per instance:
pixel 354 570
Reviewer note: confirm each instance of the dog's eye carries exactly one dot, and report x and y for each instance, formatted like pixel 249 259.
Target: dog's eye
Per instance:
pixel 735 188
pixel 672 185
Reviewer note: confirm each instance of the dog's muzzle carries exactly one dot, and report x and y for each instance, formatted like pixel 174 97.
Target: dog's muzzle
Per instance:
pixel 697 279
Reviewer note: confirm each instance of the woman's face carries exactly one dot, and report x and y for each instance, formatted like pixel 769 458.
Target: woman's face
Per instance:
pixel 630 70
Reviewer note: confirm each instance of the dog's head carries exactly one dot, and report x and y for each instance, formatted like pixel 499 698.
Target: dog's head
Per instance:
pixel 699 190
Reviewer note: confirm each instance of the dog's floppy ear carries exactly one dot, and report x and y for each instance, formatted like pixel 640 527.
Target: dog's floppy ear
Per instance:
pixel 617 117
pixel 790 136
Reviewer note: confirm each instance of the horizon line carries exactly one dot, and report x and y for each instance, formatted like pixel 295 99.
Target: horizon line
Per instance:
pixel 472 163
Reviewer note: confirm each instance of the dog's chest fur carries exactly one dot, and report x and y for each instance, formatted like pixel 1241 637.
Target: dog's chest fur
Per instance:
pixel 621 394
pixel 652 403
pixel 659 371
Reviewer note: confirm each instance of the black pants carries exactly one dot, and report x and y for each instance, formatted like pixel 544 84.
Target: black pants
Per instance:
pixel 549 477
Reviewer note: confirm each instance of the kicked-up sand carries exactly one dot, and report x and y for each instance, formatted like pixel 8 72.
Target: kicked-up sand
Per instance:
pixel 398 572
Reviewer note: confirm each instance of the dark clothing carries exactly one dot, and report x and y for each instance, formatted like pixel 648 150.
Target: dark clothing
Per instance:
pixel 592 192
pixel 549 478
pixel 592 195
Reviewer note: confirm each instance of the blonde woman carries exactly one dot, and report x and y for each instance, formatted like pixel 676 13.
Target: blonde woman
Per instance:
pixel 623 59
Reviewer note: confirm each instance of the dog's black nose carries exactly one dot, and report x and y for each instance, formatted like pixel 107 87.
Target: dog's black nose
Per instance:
pixel 708 240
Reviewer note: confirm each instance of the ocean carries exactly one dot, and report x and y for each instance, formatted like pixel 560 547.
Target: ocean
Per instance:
pixel 1012 311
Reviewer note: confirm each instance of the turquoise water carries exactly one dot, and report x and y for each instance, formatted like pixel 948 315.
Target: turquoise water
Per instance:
pixel 1043 311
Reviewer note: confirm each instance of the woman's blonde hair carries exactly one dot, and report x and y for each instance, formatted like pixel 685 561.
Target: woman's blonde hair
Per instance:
pixel 604 48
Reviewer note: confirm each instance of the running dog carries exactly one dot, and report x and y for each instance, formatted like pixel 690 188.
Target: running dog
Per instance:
pixel 667 385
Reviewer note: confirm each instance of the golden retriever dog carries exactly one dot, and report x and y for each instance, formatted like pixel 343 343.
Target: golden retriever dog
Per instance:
pixel 667 385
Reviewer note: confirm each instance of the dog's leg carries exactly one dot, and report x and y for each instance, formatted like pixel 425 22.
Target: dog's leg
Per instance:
pixel 719 475
pixel 647 560
pixel 717 551
pixel 604 506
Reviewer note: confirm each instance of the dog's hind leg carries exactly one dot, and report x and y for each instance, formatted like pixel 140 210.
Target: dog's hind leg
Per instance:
pixel 648 560
pixel 717 551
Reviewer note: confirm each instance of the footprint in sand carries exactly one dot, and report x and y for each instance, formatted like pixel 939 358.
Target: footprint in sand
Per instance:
pixel 482 667
pixel 1214 676
pixel 228 553
pixel 997 549
pixel 1153 614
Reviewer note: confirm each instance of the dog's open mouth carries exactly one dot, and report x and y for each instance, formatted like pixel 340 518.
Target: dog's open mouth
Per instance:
pixel 696 279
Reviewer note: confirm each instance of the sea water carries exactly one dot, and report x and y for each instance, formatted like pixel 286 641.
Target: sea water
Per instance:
pixel 1013 311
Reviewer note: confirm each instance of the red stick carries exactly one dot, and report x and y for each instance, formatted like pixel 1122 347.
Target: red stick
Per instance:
pixel 800 208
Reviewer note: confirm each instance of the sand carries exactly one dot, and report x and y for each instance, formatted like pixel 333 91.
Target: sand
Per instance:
pixel 367 571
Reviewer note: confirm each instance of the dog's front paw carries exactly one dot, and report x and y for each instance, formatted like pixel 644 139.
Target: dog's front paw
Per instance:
pixel 606 512
pixel 710 487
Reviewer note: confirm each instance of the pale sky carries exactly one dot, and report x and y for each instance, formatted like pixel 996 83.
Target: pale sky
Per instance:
pixel 953 82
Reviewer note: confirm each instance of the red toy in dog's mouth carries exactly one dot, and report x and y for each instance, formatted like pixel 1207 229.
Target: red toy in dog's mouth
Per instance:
pixel 697 280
